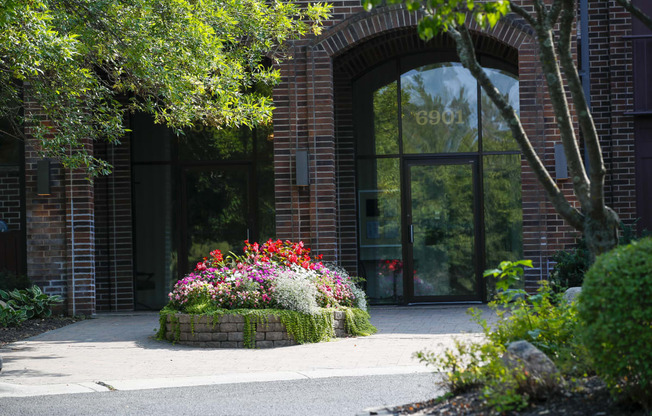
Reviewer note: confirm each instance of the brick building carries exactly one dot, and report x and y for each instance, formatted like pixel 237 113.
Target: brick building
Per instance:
pixel 384 156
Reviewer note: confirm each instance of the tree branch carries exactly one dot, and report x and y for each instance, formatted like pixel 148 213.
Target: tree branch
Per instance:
pixel 630 7
pixel 591 139
pixel 554 12
pixel 522 13
pixel 466 53
pixel 550 64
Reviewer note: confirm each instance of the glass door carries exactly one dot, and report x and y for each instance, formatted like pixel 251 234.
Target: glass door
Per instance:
pixel 216 211
pixel 442 230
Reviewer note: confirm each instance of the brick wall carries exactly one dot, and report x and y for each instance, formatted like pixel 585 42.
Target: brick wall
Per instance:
pixel 53 223
pixel 309 117
pixel 10 197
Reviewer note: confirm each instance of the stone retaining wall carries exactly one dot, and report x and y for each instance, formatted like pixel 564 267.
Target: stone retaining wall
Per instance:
pixel 228 332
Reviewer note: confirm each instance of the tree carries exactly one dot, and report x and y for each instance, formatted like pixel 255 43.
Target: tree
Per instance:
pixel 552 23
pixel 85 63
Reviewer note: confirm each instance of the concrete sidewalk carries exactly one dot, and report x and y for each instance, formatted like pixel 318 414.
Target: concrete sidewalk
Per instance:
pixel 118 351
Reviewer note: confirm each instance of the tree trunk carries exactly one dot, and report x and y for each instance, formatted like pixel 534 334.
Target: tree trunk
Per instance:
pixel 601 232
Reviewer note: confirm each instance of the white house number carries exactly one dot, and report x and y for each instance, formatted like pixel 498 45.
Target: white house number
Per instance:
pixel 435 117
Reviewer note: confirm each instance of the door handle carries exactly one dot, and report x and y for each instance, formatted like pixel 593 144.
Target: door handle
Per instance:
pixel 411 233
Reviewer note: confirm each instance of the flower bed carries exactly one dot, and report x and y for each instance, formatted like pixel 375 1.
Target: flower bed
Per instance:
pixel 276 283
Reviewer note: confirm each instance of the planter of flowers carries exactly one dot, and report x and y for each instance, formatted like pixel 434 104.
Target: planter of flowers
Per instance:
pixel 275 294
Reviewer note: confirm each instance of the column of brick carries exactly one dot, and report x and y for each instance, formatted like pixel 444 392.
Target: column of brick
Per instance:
pixel 321 142
pixel 80 239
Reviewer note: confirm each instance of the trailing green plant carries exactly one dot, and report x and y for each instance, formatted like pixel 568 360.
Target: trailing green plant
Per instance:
pixel 33 301
pixel 302 327
pixel 616 315
pixel 358 322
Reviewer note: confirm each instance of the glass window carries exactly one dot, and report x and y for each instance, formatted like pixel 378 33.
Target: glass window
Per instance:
pixel 379 199
pixel 496 134
pixel 212 143
pixel 439 109
pixel 503 214
pixel 150 142
pixel 377 129
pixel 154 224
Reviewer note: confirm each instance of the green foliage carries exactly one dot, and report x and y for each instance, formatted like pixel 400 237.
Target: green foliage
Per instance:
pixel 186 62
pixel 616 313
pixel 32 301
pixel 441 15
pixel 11 314
pixel 303 328
pixel 541 319
pixel 358 322
pixel 570 267
pixel 11 281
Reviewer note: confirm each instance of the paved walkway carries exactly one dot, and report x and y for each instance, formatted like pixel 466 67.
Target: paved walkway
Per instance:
pixel 119 351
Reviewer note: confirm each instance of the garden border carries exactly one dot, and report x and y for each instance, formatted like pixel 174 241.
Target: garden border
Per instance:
pixel 266 328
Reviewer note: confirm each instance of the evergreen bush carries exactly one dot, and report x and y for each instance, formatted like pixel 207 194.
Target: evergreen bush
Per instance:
pixel 615 308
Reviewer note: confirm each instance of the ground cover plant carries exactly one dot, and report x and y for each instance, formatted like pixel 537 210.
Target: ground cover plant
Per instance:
pixel 280 278
pixel 19 305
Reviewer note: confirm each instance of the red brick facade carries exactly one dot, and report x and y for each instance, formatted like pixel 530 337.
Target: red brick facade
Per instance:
pixel 80 238
pixel 314 112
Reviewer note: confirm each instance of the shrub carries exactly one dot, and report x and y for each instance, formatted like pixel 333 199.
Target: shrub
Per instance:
pixel 10 314
pixel 570 267
pixel 616 313
pixel 32 301
pixel 540 319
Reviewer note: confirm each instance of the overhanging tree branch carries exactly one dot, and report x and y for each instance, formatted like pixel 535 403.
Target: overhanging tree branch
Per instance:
pixel 466 53
pixel 554 81
pixel 591 139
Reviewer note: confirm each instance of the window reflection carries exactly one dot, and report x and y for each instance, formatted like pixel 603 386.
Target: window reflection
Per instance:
pixel 439 109
pixel 380 228
pixel 496 134
pixel 444 240
pixel 503 214
pixel 443 113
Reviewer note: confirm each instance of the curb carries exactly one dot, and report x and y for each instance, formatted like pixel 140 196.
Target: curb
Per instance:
pixel 21 390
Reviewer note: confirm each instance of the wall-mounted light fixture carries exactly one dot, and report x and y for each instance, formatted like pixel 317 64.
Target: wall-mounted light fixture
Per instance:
pixel 43 177
pixel 561 165
pixel 302 170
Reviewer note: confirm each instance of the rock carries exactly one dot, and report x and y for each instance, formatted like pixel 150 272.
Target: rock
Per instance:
pixel 536 374
pixel 572 293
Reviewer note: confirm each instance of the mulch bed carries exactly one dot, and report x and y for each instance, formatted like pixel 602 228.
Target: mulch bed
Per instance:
pixel 589 397
pixel 33 327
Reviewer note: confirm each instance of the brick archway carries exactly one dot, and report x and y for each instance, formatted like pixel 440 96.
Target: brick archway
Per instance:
pixel 311 116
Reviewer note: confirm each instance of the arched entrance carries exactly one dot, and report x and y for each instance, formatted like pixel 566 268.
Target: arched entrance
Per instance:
pixel 437 173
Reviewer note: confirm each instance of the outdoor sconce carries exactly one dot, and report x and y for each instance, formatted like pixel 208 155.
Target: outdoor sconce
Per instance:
pixel 561 165
pixel 302 174
pixel 43 177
